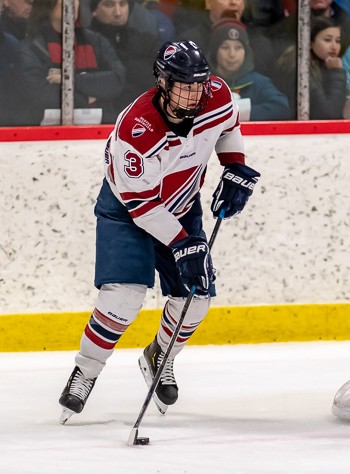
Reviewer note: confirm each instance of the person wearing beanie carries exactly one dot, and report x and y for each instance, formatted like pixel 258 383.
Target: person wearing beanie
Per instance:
pixel 200 31
pixel 135 47
pixel 231 58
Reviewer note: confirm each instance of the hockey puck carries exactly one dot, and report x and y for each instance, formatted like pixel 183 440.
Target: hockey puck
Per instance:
pixel 142 441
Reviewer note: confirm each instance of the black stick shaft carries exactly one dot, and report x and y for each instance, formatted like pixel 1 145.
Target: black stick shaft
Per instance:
pixel 175 334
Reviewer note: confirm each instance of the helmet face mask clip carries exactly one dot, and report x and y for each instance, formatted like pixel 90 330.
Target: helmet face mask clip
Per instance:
pixel 183 78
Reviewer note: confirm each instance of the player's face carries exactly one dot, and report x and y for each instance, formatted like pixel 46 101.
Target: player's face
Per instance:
pixel 112 12
pixel 19 8
pixel 185 96
pixel 230 57
pixel 327 43
pixel 217 7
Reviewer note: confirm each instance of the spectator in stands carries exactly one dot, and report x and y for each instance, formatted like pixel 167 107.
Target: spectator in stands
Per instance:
pixel 283 33
pixel 327 75
pixel 328 8
pixel 200 32
pixel 8 55
pixel 15 16
pixel 139 17
pixel 216 9
pixel 263 14
pixel 331 9
pixel 165 26
pixel 99 74
pixel 231 57
pixel 136 49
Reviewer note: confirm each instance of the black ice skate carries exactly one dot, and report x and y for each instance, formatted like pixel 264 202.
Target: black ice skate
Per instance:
pixel 166 392
pixel 75 394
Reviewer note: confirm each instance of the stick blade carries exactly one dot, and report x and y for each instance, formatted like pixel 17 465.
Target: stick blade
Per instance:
pixel 133 437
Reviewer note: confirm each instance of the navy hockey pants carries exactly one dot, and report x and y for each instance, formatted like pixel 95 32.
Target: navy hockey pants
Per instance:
pixel 125 253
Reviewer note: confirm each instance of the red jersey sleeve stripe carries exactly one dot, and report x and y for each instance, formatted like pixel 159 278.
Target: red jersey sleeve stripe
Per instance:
pixel 231 157
pixel 174 143
pixel 140 211
pixel 181 235
pixel 149 194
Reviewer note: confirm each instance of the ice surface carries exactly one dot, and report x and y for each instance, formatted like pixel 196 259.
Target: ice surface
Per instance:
pixel 246 409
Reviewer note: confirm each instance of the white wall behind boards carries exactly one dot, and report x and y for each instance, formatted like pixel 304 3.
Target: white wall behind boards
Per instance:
pixel 291 243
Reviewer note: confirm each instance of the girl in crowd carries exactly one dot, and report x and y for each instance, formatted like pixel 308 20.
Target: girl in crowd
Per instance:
pixel 327 75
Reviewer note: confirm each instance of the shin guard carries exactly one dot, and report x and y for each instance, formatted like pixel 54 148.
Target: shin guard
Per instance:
pixel 116 308
pixel 171 315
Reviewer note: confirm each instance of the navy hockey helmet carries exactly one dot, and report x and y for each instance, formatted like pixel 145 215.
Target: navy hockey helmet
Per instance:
pixel 184 62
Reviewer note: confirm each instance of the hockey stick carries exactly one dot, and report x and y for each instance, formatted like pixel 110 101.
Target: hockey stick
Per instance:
pixel 133 437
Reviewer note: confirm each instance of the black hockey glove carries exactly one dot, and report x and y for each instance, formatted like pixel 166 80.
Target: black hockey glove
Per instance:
pixel 236 185
pixel 192 258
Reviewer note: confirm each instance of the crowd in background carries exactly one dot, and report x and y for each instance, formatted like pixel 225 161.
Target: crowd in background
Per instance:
pixel 251 44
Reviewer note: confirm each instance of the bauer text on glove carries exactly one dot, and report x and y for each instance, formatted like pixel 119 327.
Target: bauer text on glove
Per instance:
pixel 192 257
pixel 236 185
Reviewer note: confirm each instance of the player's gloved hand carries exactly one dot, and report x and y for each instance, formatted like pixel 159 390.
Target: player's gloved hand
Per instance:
pixel 236 185
pixel 192 257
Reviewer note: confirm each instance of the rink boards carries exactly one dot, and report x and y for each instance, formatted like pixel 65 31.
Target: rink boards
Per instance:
pixel 283 267
pixel 223 325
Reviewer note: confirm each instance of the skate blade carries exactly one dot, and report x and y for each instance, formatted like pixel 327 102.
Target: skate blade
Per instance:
pixel 145 370
pixel 65 415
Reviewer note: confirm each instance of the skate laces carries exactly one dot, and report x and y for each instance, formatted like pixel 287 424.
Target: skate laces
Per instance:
pixel 81 386
pixel 167 377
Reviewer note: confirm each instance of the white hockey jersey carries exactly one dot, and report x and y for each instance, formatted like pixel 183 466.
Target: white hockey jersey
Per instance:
pixel 156 173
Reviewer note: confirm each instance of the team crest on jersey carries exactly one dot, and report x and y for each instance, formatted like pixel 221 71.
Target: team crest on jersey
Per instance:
pixel 170 51
pixel 137 130
pixel 216 85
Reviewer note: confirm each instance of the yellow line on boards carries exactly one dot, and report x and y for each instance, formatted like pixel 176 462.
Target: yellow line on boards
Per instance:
pixel 223 325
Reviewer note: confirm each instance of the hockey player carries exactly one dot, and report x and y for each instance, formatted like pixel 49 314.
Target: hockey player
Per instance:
pixel 149 215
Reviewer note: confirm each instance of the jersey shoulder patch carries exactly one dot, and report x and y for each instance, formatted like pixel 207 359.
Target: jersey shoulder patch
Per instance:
pixel 142 126
pixel 221 95
pixel 220 89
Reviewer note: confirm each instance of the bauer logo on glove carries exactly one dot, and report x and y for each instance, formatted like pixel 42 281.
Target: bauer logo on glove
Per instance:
pixel 195 249
pixel 239 180
pixel 235 187
pixel 193 260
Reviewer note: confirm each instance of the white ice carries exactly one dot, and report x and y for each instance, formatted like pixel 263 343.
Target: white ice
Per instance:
pixel 245 409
